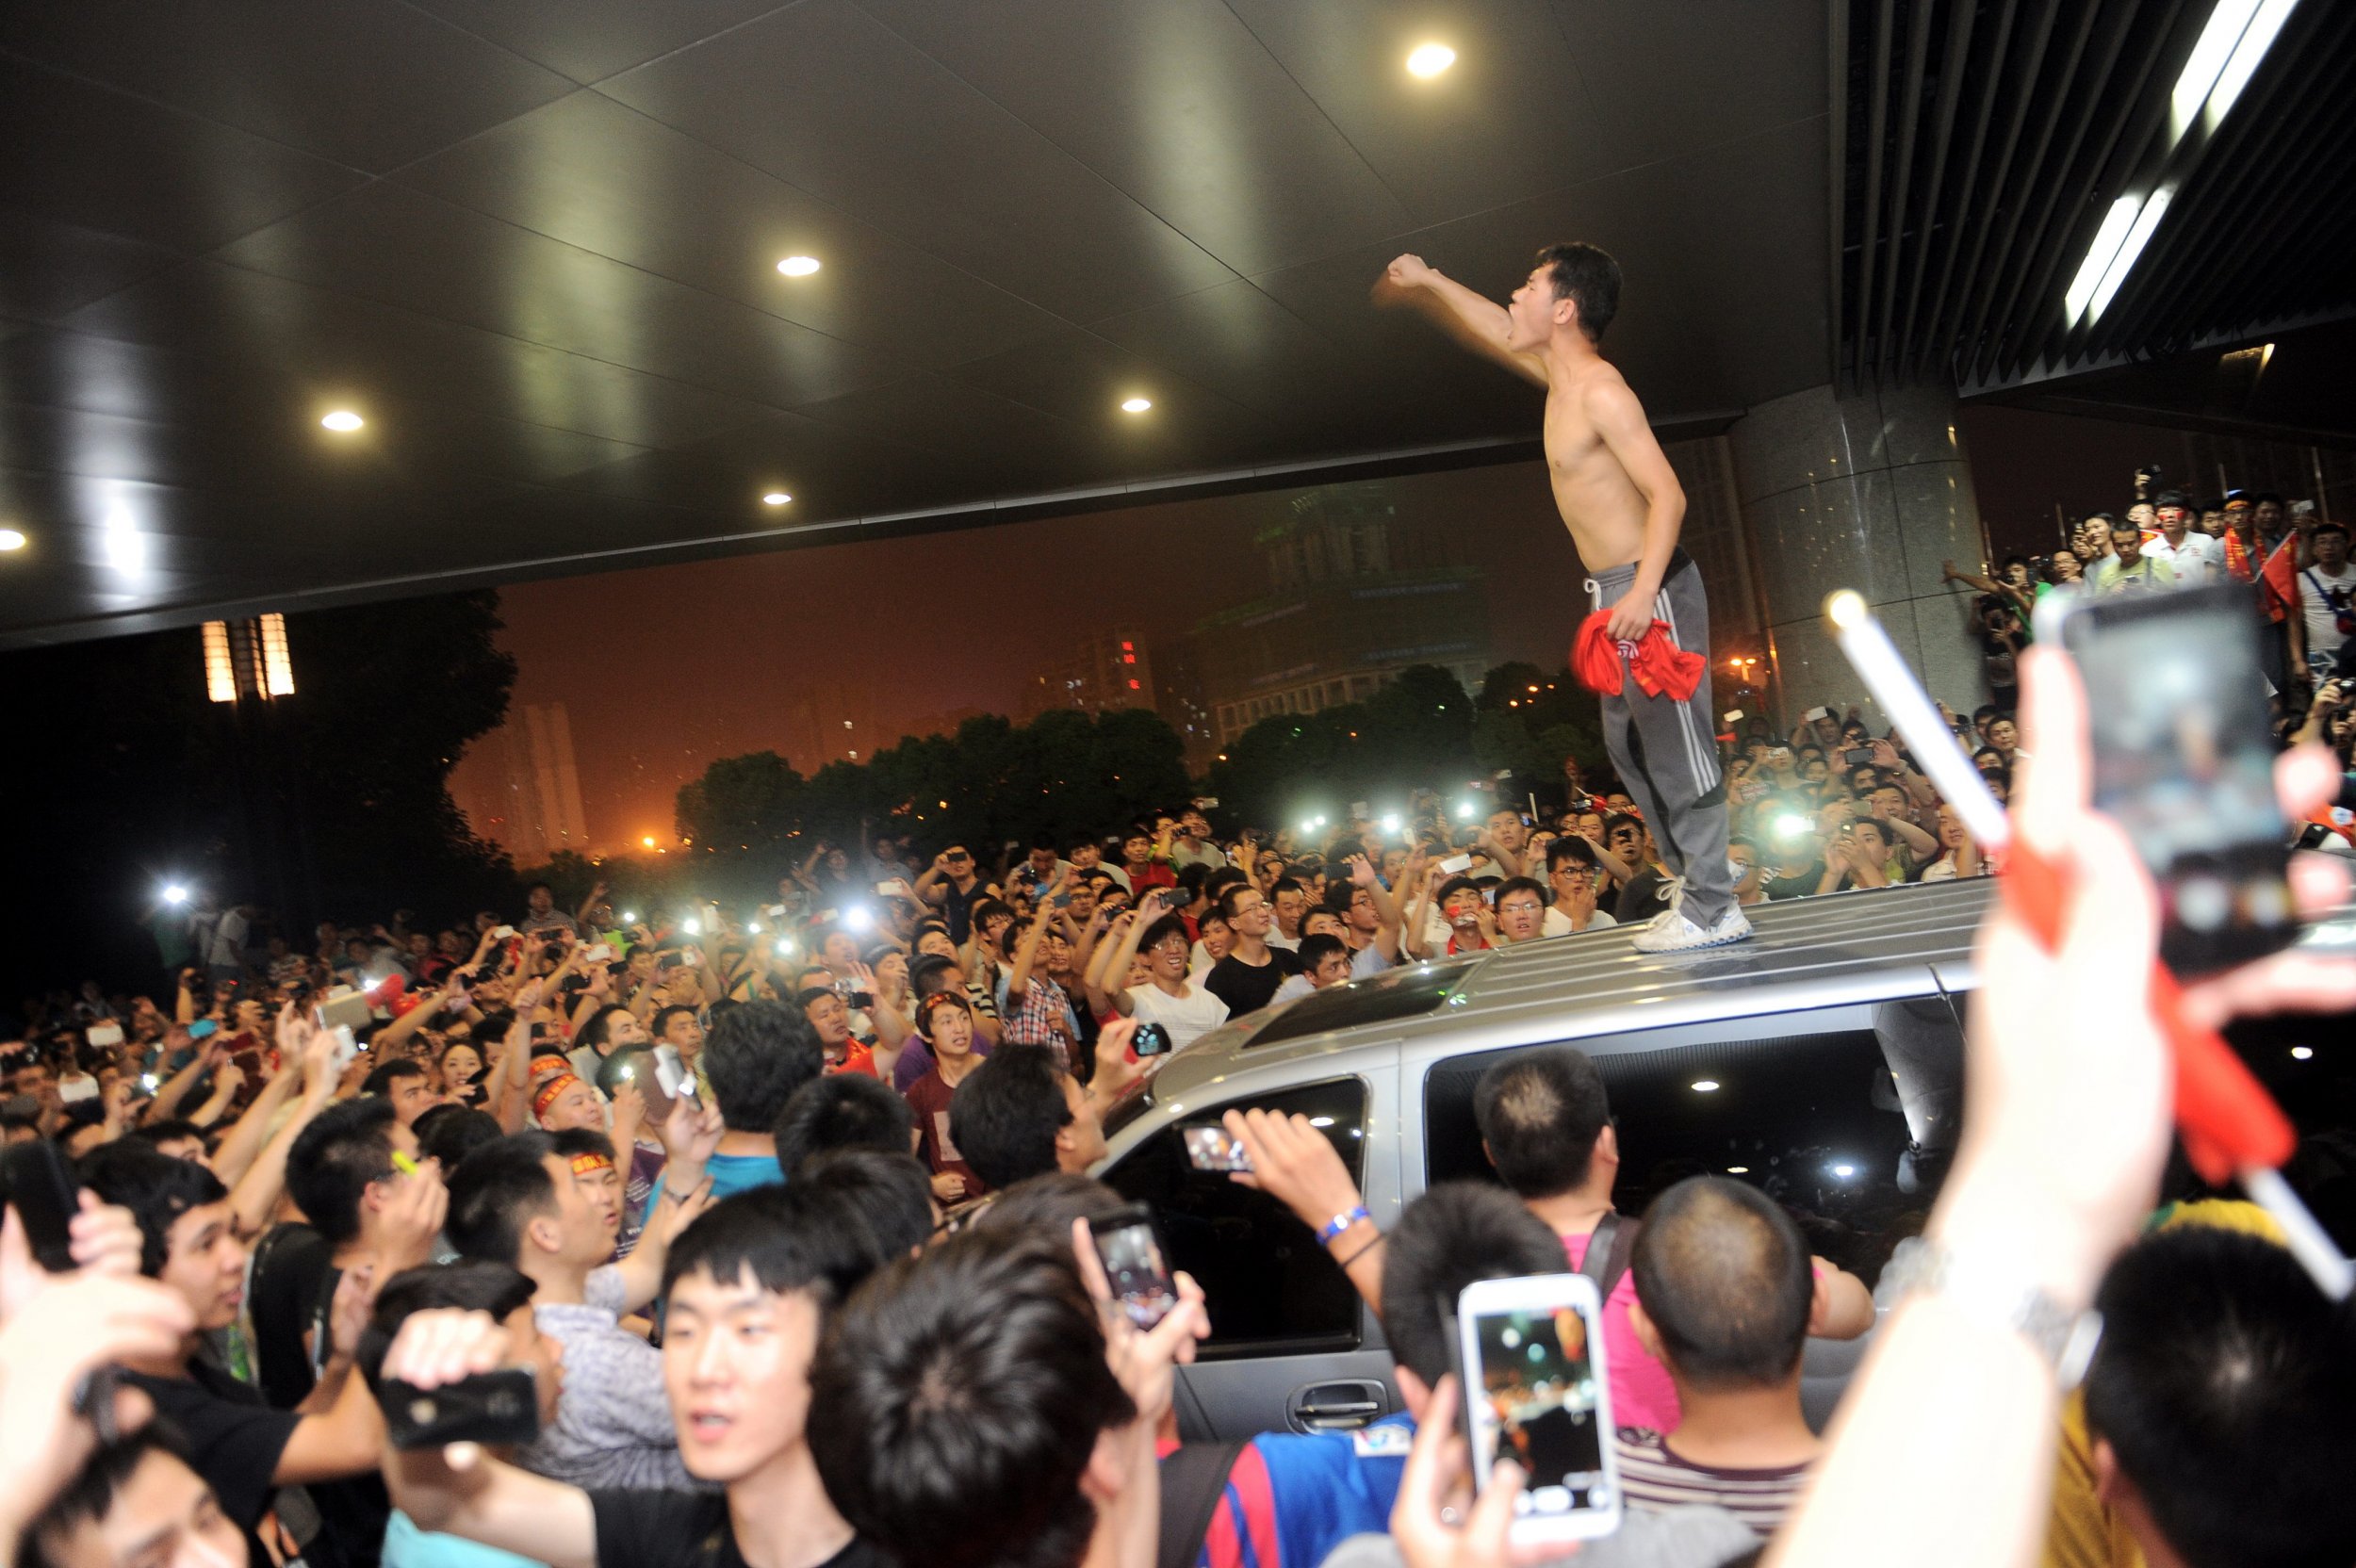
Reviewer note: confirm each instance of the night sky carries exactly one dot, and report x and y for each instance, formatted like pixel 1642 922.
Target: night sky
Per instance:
pixel 663 669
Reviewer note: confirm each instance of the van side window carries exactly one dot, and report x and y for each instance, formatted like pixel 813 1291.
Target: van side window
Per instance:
pixel 1270 1283
pixel 1816 1122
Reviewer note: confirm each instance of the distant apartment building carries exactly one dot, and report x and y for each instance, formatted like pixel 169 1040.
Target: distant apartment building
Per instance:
pixel 1102 673
pixel 1354 599
pixel 519 787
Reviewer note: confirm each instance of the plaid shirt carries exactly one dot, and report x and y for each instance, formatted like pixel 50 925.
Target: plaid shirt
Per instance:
pixel 1043 1015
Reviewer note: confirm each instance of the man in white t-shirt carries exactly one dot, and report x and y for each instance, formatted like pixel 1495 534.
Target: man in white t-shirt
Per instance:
pixel 1183 1008
pixel 2327 596
pixel 2195 557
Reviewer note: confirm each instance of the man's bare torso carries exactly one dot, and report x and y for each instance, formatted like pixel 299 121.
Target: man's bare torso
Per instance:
pixel 1599 503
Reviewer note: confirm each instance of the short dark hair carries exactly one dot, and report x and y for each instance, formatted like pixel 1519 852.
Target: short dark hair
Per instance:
pixel 2223 1384
pixel 1450 888
pixel 155 1187
pixel 1521 885
pixel 451 1133
pixel 1048 1204
pixel 89 1496
pixel 498 1190
pixel 663 1016
pixel 1230 895
pixel 2328 525
pixel 754 1058
pixel 1004 1115
pixel 1454 1235
pixel 1318 946
pixel 842 1110
pixel 347 1146
pixel 171 1130
pixel 1725 1276
pixel 1588 277
pixel 928 974
pixel 1618 820
pixel 1540 1114
pixel 573 1142
pixel 470 1284
pixel 599 1024
pixel 384 1075
pixel 806 1237
pixel 889 1195
pixel 1158 933
pixel 957 1404
pixel 1570 846
pixel 2171 498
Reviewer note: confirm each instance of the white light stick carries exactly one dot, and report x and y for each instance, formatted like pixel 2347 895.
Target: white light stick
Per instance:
pixel 1937 752
pixel 1941 757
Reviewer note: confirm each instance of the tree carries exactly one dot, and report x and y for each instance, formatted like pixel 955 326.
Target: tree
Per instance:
pixel 754 800
pixel 128 776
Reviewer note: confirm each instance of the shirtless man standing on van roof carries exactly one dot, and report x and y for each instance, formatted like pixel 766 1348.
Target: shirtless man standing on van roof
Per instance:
pixel 1622 502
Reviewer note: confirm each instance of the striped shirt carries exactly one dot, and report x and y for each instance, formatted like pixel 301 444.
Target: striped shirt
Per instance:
pixel 1655 1480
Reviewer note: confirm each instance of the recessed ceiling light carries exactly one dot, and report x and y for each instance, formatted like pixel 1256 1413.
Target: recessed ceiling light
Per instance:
pixel 1737 1171
pixel 798 267
pixel 1704 1085
pixel 1430 59
pixel 775 497
pixel 1136 405
pixel 2298 1053
pixel 10 539
pixel 343 420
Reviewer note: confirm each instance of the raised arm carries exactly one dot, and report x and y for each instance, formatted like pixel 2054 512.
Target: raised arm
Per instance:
pixel 1474 320
pixel 1106 993
pixel 481 1498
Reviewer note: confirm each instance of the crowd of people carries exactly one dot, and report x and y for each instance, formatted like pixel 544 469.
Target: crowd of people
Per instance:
pixel 783 1207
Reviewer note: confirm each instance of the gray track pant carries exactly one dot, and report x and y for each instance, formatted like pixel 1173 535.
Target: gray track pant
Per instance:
pixel 1666 751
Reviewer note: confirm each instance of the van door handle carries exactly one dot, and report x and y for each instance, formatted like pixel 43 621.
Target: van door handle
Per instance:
pixel 1336 1407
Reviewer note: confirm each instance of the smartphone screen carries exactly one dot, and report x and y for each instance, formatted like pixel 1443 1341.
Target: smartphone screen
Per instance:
pixel 1151 1040
pixel 1214 1148
pixel 2184 761
pixel 1537 1395
pixel 671 1074
pixel 1132 1256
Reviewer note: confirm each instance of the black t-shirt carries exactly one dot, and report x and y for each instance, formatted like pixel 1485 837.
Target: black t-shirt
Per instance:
pixel 1246 987
pixel 1796 884
pixel 687 1529
pixel 293 1268
pixel 956 907
pixel 233 1439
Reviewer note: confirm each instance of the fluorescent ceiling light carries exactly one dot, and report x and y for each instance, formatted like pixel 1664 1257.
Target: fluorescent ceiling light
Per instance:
pixel 2225 26
pixel 775 497
pixel 2154 208
pixel 2107 242
pixel 2243 63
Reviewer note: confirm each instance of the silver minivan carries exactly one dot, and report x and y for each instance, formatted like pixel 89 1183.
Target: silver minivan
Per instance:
pixel 1822 1060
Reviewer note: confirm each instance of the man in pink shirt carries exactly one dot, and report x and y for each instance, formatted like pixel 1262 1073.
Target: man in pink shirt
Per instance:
pixel 1547 1127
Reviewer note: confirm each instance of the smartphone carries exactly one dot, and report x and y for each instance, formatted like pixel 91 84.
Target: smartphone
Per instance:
pixel 1815 713
pixel 2184 761
pixel 1151 1040
pixel 1530 1359
pixel 1858 756
pixel 1132 1256
pixel 46 1195
pixel 1211 1147
pixel 346 1046
pixel 1456 865
pixel 204 1027
pixel 502 1407
pixel 896 888
pixel 671 1074
pixel 502 932
pixel 104 1033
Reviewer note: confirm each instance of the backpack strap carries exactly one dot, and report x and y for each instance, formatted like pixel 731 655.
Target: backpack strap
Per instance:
pixel 1194 1479
pixel 1610 1251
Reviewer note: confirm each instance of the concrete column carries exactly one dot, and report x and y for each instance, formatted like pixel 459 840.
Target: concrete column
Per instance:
pixel 1871 492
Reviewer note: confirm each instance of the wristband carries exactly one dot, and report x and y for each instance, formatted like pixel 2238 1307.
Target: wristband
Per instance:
pixel 1340 1222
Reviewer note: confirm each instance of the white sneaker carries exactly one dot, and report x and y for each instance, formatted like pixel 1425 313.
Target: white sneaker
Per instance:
pixel 1671 932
